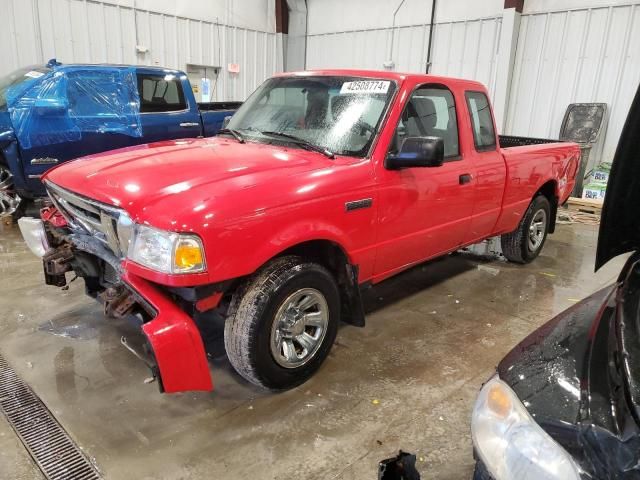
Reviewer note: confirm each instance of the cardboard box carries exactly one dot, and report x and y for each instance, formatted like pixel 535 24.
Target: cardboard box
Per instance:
pixel 601 173
pixel 594 191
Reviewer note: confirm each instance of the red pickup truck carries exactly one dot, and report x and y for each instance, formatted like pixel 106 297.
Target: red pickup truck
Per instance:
pixel 322 182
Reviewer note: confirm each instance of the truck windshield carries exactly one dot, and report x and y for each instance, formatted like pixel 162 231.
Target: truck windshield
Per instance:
pixel 15 78
pixel 337 114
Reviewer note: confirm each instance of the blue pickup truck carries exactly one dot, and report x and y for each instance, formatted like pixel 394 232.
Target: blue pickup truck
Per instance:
pixel 53 113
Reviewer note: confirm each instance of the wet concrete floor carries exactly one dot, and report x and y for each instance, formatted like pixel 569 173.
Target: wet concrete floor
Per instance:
pixel 406 381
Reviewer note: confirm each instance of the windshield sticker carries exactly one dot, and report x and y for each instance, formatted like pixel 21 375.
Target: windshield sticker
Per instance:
pixel 376 86
pixel 33 74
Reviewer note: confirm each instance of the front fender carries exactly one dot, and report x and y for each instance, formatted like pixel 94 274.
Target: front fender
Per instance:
pixel 7 134
pixel 239 249
pixel 6 137
pixel 297 234
pixel 11 157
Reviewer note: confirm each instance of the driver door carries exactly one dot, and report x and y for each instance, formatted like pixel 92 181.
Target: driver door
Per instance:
pixel 425 211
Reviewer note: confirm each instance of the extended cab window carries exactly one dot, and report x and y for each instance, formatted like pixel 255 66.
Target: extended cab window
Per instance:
pixel 430 112
pixel 160 93
pixel 484 135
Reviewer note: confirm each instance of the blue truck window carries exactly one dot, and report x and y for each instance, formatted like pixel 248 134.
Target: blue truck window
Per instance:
pixel 59 106
pixel 160 93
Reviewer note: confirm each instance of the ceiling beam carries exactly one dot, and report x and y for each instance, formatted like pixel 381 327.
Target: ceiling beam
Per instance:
pixel 517 4
pixel 282 17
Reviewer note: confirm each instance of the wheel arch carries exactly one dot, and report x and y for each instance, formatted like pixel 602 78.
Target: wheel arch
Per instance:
pixel 327 252
pixel 550 191
pixel 10 158
pixel 334 258
pixel 10 201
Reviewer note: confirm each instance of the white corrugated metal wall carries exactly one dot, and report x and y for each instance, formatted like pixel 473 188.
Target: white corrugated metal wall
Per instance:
pixel 565 55
pixel 567 51
pixel 467 49
pixel 460 49
pixel 580 55
pixel 96 31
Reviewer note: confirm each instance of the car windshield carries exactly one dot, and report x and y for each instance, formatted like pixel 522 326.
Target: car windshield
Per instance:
pixel 338 114
pixel 17 77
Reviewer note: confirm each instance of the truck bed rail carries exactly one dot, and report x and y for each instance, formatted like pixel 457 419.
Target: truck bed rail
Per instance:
pixel 213 106
pixel 508 141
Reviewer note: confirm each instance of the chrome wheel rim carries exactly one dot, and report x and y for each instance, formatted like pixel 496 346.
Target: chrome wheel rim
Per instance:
pixel 9 199
pixel 299 327
pixel 537 230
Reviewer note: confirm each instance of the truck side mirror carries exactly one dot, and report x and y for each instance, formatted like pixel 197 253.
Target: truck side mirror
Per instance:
pixel 226 121
pixel 417 152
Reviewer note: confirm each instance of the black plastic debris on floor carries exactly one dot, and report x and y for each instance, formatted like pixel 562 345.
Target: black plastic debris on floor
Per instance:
pixel 401 467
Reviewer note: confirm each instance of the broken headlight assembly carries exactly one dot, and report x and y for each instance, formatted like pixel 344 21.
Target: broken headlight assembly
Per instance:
pixel 34 235
pixel 510 443
pixel 166 252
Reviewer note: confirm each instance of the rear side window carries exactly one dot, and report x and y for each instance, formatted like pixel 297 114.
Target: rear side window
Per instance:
pixel 160 93
pixel 484 135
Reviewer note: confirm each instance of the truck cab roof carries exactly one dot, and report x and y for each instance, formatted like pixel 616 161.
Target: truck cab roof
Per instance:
pixel 398 77
pixel 98 66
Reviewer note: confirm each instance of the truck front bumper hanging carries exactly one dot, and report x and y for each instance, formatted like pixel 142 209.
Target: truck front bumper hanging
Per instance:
pixel 175 340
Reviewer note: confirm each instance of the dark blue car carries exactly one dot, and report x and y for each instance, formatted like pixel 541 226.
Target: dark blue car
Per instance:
pixel 54 113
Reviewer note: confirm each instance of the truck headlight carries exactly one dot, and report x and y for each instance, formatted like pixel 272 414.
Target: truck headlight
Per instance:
pixel 34 235
pixel 510 443
pixel 166 252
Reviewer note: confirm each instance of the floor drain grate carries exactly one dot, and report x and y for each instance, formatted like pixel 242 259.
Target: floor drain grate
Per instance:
pixel 54 452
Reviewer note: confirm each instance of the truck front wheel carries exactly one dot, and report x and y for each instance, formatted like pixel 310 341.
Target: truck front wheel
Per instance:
pixel 282 323
pixel 525 244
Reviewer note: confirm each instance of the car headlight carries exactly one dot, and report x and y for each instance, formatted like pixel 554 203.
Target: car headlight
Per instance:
pixel 166 252
pixel 511 444
pixel 34 235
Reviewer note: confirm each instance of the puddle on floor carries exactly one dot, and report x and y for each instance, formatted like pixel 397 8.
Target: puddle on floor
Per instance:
pixel 81 323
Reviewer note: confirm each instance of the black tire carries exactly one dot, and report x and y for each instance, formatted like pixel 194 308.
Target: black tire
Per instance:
pixel 481 472
pixel 515 245
pixel 248 328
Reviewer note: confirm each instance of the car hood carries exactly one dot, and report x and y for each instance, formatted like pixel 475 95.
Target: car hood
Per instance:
pixel 6 128
pixel 548 368
pixel 159 181
pixel 619 225
pixel 564 374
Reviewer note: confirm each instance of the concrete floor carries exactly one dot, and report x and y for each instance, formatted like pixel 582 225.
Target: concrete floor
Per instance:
pixel 406 381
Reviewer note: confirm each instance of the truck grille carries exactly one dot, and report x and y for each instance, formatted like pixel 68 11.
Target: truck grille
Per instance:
pixel 108 224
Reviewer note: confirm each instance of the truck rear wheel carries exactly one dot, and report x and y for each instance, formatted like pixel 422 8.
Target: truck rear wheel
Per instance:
pixel 525 244
pixel 282 323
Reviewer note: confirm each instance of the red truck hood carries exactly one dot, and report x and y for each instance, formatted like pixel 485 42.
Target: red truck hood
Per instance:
pixel 158 181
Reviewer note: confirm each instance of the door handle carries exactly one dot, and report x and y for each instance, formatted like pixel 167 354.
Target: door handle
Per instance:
pixel 189 124
pixel 465 178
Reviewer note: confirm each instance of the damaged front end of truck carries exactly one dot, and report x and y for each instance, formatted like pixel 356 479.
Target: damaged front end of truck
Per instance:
pixel 87 239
